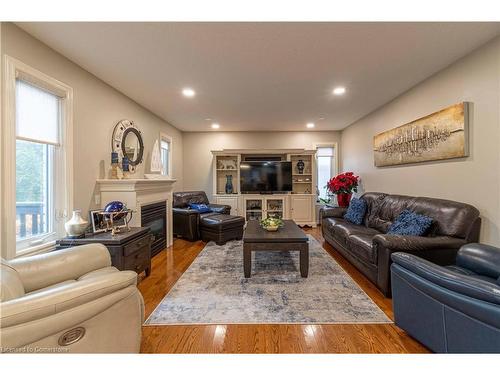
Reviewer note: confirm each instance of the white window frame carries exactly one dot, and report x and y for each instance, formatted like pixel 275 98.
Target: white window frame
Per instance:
pixel 15 69
pixel 166 138
pixel 335 165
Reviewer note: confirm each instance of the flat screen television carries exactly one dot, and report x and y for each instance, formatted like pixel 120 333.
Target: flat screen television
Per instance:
pixel 265 176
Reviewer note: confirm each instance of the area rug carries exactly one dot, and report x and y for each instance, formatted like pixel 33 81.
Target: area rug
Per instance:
pixel 213 290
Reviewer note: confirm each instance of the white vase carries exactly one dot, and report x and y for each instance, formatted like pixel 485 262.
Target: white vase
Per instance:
pixel 76 226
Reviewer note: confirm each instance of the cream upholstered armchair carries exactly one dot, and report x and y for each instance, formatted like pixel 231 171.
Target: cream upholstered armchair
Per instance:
pixel 70 300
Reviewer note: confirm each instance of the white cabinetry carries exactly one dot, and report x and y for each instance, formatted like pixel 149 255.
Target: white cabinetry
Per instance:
pixel 257 207
pixel 298 205
pixel 232 201
pixel 302 209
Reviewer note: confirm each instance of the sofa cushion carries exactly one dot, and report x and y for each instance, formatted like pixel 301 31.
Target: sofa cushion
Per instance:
pixel 373 201
pixel 451 218
pixel 361 245
pixel 356 211
pixel 342 229
pixel 387 210
pixel 410 223
pixel 480 258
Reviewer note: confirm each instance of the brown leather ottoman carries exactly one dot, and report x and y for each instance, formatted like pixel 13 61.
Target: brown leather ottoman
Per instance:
pixel 221 228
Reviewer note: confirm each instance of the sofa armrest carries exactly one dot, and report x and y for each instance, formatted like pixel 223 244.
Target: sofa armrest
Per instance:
pixel 327 211
pixel 439 249
pixel 480 258
pixel 220 208
pixel 184 211
pixel 396 242
pixel 51 301
pixel 40 271
pixel 445 278
pixel 186 223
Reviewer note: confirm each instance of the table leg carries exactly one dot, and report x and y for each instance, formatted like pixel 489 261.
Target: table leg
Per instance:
pixel 304 261
pixel 247 260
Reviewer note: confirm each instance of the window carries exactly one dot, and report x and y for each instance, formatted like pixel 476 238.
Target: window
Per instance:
pixel 37 129
pixel 166 150
pixel 326 167
pixel 38 190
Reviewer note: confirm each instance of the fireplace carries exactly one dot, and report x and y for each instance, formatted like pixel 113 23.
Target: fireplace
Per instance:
pixel 154 216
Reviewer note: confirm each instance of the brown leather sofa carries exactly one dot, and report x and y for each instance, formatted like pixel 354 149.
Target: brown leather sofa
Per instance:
pixel 369 248
pixel 218 226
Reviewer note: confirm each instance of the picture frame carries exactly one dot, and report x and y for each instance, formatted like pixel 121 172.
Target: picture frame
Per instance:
pixel 98 222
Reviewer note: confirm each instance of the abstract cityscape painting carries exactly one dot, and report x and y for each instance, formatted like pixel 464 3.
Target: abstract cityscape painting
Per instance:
pixel 438 136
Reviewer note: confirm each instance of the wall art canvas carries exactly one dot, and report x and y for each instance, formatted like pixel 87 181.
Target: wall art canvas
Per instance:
pixel 438 136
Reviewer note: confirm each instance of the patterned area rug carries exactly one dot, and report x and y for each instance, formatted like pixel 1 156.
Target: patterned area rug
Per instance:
pixel 214 291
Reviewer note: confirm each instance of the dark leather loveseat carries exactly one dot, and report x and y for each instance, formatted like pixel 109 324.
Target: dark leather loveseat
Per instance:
pixel 369 248
pixel 218 225
pixel 452 309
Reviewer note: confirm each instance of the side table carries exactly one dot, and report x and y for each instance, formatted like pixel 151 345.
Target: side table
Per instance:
pixel 129 250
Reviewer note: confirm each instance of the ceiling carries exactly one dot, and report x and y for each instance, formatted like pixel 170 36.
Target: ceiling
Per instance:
pixel 262 76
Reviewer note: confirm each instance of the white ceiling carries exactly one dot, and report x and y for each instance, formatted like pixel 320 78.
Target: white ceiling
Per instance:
pixel 262 76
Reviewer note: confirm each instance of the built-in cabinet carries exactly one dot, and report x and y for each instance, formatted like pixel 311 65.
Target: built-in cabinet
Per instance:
pixel 298 205
pixel 302 208
pixel 232 201
pixel 258 207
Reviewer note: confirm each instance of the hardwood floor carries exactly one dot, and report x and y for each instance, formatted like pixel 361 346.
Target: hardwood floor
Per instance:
pixel 169 265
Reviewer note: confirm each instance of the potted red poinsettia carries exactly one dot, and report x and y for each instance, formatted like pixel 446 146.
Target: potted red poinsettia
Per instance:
pixel 343 185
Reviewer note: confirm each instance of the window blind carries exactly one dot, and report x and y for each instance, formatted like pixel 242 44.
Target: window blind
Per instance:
pixel 37 114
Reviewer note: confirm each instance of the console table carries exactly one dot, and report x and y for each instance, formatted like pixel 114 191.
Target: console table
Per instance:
pixel 129 250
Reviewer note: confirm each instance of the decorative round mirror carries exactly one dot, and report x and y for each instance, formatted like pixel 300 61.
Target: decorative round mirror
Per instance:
pixel 127 141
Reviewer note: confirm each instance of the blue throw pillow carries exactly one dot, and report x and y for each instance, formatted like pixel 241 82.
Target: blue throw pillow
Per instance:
pixel 356 211
pixel 219 210
pixel 409 223
pixel 201 208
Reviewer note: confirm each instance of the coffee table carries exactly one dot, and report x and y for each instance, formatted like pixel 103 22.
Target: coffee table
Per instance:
pixel 288 238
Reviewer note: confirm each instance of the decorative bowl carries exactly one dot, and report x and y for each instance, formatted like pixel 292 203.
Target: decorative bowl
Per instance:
pixel 271 224
pixel 272 228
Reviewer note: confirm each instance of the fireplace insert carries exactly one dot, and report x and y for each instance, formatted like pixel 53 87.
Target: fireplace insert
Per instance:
pixel 154 216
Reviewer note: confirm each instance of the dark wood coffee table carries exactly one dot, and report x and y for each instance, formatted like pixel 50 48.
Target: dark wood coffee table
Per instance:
pixel 288 238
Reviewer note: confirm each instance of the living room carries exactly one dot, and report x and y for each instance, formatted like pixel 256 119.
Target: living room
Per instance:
pixel 250 187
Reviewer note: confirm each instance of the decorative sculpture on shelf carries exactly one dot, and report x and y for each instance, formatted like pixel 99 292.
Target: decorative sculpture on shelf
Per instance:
pixel 300 166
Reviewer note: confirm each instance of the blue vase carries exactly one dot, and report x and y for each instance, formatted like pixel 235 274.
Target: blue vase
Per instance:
pixel 229 184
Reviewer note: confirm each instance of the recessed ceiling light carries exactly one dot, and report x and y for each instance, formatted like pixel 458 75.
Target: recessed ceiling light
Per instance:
pixel 215 126
pixel 188 92
pixel 310 125
pixel 339 90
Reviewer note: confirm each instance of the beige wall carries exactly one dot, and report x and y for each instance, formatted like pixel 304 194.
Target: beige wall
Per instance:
pixel 97 108
pixel 198 146
pixel 475 179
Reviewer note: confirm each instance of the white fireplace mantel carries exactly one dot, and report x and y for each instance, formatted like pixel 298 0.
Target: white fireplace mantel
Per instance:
pixel 136 193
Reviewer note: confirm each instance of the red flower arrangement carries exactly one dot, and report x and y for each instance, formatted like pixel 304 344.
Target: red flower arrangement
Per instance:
pixel 344 183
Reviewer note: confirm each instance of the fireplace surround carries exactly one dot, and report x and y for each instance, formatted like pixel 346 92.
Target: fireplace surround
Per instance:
pixel 138 194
